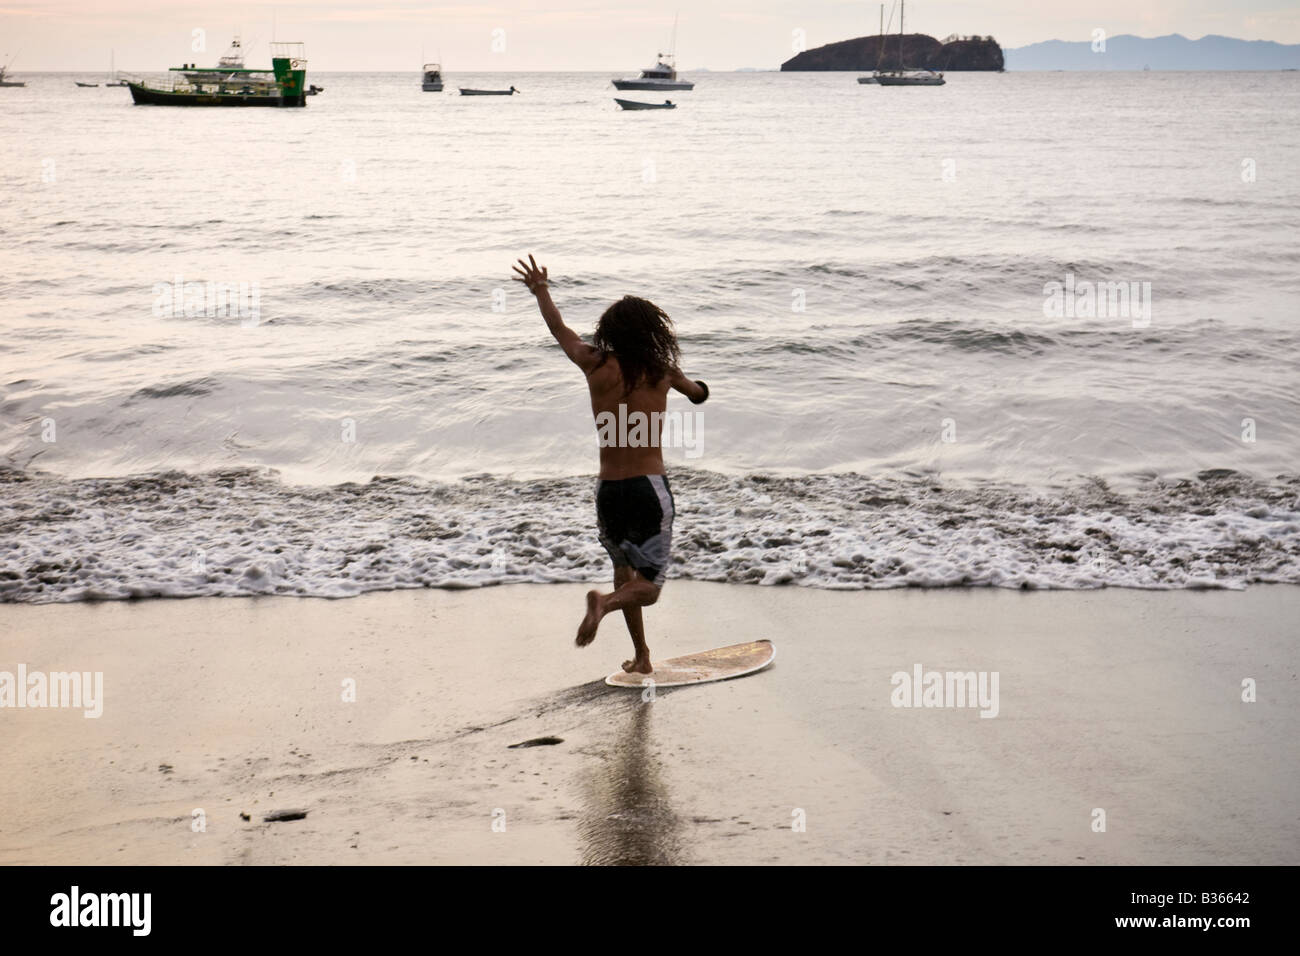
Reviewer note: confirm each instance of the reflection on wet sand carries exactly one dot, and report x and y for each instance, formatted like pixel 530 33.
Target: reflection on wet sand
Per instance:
pixel 628 818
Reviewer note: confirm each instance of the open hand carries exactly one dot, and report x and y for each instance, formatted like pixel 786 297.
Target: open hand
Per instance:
pixel 531 275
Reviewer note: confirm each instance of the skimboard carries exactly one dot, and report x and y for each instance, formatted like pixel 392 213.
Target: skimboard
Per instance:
pixel 721 663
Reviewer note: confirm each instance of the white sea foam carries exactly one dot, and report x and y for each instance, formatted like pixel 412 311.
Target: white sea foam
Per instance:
pixel 246 533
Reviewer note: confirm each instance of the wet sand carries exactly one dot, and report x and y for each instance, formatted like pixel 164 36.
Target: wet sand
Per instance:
pixel 1125 701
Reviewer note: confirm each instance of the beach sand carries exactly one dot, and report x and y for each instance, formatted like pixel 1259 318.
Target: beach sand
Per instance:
pixel 1127 701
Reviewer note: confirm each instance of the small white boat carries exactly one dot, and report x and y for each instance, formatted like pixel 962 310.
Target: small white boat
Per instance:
pixel 228 64
pixel 113 79
pixel 661 76
pixel 635 105
pixel 432 82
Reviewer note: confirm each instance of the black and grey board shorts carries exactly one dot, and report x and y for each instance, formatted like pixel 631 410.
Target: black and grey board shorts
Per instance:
pixel 634 517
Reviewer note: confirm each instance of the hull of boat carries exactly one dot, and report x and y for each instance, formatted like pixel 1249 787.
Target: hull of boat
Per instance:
pixel 910 80
pixel 465 92
pixel 431 87
pixel 87 86
pixel 653 84
pixel 634 105
pixel 144 95
pixel 868 79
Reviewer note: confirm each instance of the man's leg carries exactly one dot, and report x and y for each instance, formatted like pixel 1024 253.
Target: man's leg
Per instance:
pixel 640 662
pixel 633 594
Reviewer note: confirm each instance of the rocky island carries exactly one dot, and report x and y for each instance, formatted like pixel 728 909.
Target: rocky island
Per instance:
pixel 918 52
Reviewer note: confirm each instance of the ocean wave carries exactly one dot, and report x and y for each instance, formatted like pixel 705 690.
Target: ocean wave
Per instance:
pixel 244 532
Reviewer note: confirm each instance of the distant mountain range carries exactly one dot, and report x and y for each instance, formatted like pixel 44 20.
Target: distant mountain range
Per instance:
pixel 1172 52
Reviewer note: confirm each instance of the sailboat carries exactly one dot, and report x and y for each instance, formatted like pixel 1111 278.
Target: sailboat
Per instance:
pixel 661 76
pixel 872 79
pixel 4 68
pixel 903 76
pixel 112 71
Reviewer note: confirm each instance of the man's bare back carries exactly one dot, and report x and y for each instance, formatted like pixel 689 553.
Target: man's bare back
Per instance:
pixel 647 402
pixel 634 502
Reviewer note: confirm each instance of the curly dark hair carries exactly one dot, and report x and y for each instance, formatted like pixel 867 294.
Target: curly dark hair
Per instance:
pixel 640 335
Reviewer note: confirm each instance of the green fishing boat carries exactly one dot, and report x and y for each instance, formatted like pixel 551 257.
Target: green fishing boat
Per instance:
pixel 284 84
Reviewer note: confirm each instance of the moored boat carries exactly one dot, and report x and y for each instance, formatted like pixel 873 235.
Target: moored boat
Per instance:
pixel 79 83
pixel 906 76
pixel 871 80
pixel 432 81
pixel 635 105
pixel 661 76
pixel 468 92
pixel 282 85
pixel 113 78
pixel 910 78
pixel 5 82
pixel 232 61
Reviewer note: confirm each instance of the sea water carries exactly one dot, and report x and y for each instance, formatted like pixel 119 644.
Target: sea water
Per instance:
pixel 1023 330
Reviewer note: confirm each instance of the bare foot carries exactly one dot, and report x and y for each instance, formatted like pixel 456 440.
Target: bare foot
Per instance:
pixel 639 665
pixel 587 629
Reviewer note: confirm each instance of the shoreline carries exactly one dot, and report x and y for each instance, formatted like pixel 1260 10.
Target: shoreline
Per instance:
pixel 1123 700
pixel 240 533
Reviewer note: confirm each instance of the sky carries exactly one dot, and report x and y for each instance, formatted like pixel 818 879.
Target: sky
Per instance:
pixel 394 35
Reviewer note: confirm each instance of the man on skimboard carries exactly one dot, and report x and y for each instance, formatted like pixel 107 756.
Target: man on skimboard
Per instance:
pixel 630 366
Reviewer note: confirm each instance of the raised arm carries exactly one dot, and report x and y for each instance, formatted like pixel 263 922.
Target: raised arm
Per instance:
pixel 536 279
pixel 696 391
